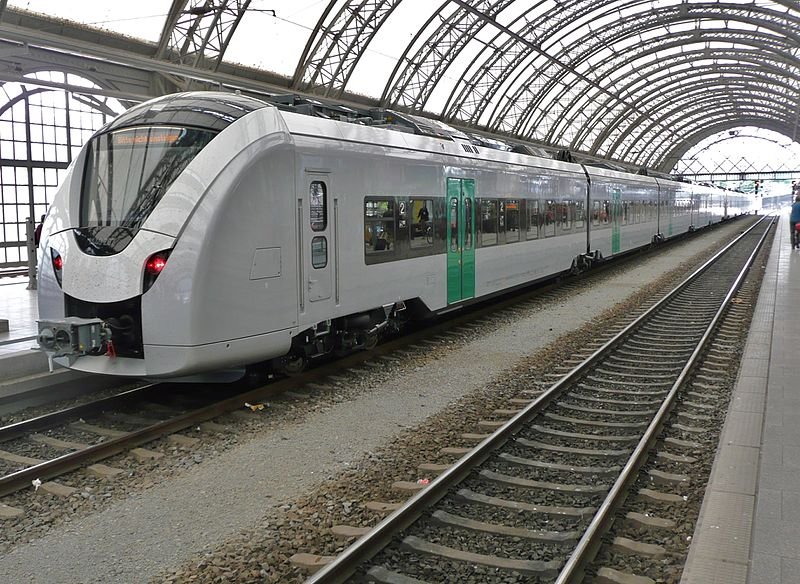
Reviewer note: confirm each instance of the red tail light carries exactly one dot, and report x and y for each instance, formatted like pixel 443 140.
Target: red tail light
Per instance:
pixel 154 265
pixel 58 264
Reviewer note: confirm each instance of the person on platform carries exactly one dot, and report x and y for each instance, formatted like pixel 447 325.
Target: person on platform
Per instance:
pixel 37 233
pixel 794 220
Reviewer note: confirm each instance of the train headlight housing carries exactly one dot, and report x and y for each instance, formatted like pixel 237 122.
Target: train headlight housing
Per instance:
pixel 154 265
pixel 58 264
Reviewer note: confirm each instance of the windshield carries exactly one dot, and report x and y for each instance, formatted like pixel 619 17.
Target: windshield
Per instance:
pixel 128 171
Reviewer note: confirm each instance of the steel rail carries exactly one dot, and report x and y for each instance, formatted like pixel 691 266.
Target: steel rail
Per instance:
pixel 379 537
pixel 44 421
pixel 74 460
pixel 583 554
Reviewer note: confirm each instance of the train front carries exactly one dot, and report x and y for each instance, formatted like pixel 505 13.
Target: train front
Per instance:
pixel 115 223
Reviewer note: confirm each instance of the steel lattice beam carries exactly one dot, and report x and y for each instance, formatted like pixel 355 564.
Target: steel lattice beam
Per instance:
pixel 337 44
pixel 414 78
pixel 197 32
pixel 676 90
pixel 648 74
pixel 518 114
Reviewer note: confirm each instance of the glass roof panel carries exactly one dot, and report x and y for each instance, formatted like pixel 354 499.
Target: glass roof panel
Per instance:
pixel 142 19
pixel 377 63
pixel 274 42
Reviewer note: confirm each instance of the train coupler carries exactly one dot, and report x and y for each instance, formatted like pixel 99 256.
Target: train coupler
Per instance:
pixel 73 337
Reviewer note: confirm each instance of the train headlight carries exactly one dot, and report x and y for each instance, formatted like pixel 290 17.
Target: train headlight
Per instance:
pixel 58 264
pixel 154 265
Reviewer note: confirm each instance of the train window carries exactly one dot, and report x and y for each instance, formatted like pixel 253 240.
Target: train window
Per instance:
pixel 550 214
pixel 379 226
pixel 468 223
pixel 580 214
pixel 595 212
pixel 127 172
pixel 453 223
pixel 421 231
pixel 512 221
pixel 318 207
pixel 488 222
pixel 565 211
pixel 533 219
pixel 319 252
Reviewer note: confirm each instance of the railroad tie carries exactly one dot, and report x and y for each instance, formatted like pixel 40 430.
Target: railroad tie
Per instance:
pixel 8 512
pixel 310 563
pixel 611 576
pixel 349 532
pixel 531 567
pixel 383 576
pixel 382 508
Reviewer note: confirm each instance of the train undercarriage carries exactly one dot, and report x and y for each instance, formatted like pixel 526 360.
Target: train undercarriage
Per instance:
pixel 340 336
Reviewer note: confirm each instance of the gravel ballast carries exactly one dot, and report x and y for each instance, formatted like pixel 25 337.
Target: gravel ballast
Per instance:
pixel 197 510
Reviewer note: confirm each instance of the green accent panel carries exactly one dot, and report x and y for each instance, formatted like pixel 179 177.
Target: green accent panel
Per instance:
pixel 468 247
pixel 616 220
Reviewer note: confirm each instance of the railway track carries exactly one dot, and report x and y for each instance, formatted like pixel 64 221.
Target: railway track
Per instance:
pixel 534 498
pixel 53 444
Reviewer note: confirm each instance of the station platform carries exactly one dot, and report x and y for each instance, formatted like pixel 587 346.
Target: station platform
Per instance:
pixel 18 306
pixel 749 526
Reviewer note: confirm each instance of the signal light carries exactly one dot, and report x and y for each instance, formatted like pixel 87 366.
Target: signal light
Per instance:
pixel 58 264
pixel 154 265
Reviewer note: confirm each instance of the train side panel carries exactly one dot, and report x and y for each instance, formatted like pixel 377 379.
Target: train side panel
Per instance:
pixel 624 211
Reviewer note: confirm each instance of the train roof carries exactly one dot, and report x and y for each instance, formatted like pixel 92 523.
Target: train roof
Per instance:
pixel 217 110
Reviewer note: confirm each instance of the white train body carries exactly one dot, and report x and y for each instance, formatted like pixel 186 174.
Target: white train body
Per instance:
pixel 270 224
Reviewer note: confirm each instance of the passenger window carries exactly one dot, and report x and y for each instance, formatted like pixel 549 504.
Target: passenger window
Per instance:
pixel 550 214
pixel 453 213
pixel 512 221
pixel 379 226
pixel 565 215
pixel 580 214
pixel 319 252
pixel 533 219
pixel 467 224
pixel 317 206
pixel 488 222
pixel 421 224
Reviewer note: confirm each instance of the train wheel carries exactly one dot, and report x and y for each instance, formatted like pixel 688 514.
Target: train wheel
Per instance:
pixel 370 341
pixel 291 364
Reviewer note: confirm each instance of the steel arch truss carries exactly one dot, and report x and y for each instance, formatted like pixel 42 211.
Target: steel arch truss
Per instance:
pixel 629 80
pixel 624 80
pixel 197 32
pixel 337 44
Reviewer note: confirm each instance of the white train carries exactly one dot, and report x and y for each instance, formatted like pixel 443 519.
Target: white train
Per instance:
pixel 201 232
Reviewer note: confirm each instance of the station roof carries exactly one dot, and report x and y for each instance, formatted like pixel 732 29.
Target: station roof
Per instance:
pixel 639 81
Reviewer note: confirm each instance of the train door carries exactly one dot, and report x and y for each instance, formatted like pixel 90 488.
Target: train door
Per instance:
pixel 460 239
pixel 317 246
pixel 616 221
